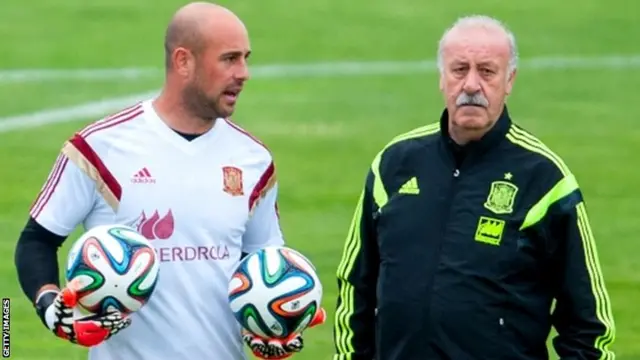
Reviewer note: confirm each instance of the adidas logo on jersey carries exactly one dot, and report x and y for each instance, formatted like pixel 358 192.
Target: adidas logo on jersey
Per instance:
pixel 143 177
pixel 410 187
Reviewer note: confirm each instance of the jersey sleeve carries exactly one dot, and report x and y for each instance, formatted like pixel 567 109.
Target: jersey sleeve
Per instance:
pixel 66 198
pixel 263 228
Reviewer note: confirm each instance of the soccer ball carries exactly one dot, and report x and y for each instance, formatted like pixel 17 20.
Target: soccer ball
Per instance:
pixel 275 292
pixel 116 267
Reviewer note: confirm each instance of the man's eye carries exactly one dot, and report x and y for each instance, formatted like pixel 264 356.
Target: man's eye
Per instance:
pixel 230 58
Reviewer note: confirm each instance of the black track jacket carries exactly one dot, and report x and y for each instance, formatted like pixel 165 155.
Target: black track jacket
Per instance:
pixel 461 256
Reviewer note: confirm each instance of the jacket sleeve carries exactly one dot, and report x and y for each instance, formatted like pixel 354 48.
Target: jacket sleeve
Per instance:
pixel 582 315
pixel 354 327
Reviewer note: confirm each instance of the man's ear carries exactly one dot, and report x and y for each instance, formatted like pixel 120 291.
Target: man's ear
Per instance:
pixel 510 80
pixel 183 61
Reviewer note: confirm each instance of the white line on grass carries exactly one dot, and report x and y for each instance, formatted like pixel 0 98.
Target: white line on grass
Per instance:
pixel 41 75
pixel 70 113
pixel 316 69
pixel 96 109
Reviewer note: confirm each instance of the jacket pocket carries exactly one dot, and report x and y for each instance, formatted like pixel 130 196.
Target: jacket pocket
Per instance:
pixel 399 326
pixel 521 338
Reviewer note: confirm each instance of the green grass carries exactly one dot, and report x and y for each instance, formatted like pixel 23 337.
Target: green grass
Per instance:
pixel 324 132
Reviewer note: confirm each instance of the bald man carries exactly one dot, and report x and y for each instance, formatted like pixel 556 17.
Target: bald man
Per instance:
pixel 206 52
pixel 468 229
pixel 177 170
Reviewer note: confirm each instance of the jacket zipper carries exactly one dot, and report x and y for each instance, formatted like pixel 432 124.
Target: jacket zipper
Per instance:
pixel 449 205
pixel 443 232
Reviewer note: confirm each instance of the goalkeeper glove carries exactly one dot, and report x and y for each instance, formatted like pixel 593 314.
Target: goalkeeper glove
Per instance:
pixel 278 349
pixel 57 310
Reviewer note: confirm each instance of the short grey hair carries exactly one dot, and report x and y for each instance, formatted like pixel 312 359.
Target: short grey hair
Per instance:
pixel 481 21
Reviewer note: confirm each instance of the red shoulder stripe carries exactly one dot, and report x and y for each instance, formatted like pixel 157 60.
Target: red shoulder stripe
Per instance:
pixel 80 152
pixel 246 133
pixel 113 120
pixel 49 186
pixel 266 182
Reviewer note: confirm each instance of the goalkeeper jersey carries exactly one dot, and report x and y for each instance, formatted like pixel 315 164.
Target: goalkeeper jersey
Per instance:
pixel 201 203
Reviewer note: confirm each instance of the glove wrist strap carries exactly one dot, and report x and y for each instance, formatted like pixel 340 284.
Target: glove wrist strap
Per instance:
pixel 45 311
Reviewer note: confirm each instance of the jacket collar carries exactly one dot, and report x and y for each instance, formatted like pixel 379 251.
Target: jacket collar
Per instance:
pixel 489 140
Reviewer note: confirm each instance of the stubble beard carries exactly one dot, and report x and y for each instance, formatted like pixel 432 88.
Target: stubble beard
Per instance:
pixel 198 104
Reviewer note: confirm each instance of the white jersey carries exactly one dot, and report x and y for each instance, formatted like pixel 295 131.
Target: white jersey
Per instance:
pixel 200 202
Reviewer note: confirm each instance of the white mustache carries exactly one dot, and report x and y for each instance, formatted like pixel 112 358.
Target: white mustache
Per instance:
pixel 476 99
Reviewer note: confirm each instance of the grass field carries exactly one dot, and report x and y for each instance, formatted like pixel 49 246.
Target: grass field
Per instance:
pixel 325 127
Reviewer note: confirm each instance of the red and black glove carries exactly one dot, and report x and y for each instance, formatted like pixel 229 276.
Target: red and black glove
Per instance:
pixel 278 349
pixel 57 310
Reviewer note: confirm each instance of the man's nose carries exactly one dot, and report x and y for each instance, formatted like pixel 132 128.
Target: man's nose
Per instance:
pixel 242 73
pixel 472 82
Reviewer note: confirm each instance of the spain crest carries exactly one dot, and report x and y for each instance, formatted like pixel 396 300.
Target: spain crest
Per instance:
pixel 232 181
pixel 501 197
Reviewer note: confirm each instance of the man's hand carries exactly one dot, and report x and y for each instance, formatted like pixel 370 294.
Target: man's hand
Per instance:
pixel 278 349
pixel 58 312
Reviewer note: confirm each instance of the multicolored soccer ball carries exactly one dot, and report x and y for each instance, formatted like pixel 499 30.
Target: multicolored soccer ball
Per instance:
pixel 275 292
pixel 116 267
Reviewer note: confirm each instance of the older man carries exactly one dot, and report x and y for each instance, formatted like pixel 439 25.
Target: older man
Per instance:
pixel 467 230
